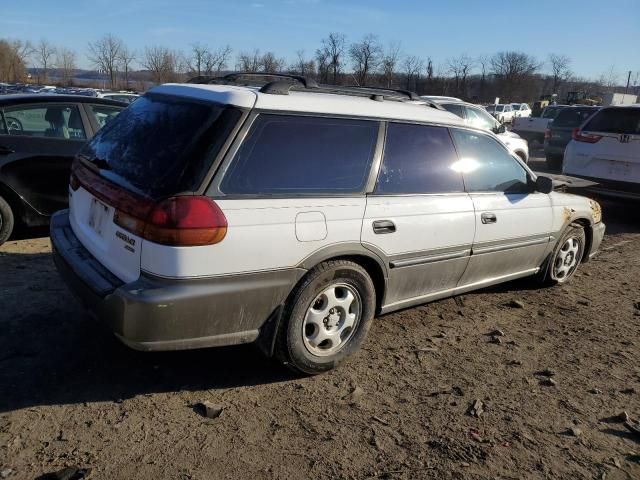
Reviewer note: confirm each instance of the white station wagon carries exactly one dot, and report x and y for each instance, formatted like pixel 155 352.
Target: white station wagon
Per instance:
pixel 292 214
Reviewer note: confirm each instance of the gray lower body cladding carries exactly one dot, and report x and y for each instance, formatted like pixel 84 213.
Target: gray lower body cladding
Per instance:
pixel 152 313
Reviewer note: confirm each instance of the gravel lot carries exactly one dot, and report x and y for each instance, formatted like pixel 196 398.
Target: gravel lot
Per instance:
pixel 71 395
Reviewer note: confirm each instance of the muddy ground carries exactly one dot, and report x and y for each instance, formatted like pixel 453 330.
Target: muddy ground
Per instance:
pixel 71 395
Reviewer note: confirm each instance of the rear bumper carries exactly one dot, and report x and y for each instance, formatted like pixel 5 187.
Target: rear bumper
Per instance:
pixel 167 314
pixel 612 188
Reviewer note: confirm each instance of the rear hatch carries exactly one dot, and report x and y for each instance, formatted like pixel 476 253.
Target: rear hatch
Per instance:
pixel 158 148
pixel 613 153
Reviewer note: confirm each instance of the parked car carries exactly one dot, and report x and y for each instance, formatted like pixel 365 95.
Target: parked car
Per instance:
pixel 606 150
pixel 119 96
pixel 521 110
pixel 533 128
pixel 559 131
pixel 477 117
pixel 502 113
pixel 39 137
pixel 290 215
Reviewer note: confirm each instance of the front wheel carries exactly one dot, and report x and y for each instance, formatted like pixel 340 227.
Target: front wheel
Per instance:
pixel 6 221
pixel 327 317
pixel 566 256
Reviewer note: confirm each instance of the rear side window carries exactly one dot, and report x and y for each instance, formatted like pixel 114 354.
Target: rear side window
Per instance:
pixel 302 155
pixel 573 117
pixel 486 165
pixel 625 120
pixel 162 145
pixel 418 159
pixel 46 121
pixel 104 114
pixel 453 108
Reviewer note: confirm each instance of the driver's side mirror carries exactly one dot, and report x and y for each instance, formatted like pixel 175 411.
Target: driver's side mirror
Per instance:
pixel 501 128
pixel 544 184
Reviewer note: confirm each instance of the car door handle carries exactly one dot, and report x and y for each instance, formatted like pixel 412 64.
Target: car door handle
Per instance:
pixel 5 150
pixel 383 226
pixel 488 217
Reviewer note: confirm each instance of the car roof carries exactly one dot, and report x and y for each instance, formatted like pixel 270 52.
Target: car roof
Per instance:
pixel 25 98
pixel 311 102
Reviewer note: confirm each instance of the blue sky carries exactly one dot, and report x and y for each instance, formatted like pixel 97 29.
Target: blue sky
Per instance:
pixel 597 35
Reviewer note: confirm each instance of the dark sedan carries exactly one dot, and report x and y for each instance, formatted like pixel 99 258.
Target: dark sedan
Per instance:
pixel 559 131
pixel 39 136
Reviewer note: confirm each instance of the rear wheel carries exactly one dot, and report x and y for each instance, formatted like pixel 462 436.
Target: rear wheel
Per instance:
pixel 6 221
pixel 327 317
pixel 566 256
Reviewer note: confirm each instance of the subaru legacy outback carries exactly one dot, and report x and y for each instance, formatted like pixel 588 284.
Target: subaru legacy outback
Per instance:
pixel 291 214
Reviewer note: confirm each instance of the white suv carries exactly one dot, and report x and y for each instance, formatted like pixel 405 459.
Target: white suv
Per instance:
pixel 606 149
pixel 290 215
pixel 478 117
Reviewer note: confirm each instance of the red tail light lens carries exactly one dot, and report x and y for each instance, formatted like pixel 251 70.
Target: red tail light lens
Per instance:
pixel 547 134
pixel 183 221
pixel 579 136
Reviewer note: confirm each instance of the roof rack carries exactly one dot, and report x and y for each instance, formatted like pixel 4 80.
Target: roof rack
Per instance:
pixel 286 83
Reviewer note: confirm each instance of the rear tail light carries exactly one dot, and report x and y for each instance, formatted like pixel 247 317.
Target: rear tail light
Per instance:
pixel 547 134
pixel 178 221
pixel 579 136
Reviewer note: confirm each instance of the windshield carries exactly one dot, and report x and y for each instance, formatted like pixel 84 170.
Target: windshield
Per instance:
pixel 624 120
pixel 515 106
pixel 161 145
pixel 573 117
pixel 499 108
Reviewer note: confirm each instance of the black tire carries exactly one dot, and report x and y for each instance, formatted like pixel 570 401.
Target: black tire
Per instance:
pixel 291 349
pixel 551 276
pixel 554 162
pixel 6 221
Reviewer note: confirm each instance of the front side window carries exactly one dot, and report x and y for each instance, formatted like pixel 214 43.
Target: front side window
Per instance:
pixel 418 159
pixel 104 114
pixel 480 119
pixel 486 165
pixel 287 154
pixel 45 121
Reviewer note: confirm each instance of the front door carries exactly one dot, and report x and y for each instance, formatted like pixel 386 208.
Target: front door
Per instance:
pixel 512 222
pixel 419 216
pixel 37 145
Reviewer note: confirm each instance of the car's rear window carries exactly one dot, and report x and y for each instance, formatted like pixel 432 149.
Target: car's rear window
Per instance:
pixel 624 120
pixel 162 145
pixel 573 117
pixel 551 112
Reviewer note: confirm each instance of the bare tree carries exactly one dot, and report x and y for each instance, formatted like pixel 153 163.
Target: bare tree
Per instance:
pixel 66 61
pixel 269 63
pixel 217 60
pixel 513 69
pixel 249 61
pixel 125 59
pixel 104 54
pixel 164 64
pixel 460 67
pixel 412 66
pixel 322 59
pixel 560 69
pixel 483 61
pixel 332 50
pixel 45 52
pixel 609 79
pixel 200 54
pixel 366 56
pixel 14 56
pixel 389 63
pixel 303 66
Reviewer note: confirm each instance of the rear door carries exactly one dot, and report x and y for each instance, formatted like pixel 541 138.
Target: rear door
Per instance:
pixel 512 223
pixel 37 145
pixel 419 215
pixel 616 154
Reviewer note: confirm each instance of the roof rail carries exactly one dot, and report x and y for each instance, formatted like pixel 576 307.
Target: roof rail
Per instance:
pixel 286 83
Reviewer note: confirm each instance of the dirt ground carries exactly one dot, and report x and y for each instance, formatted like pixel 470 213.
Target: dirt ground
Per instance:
pixel 71 395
